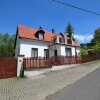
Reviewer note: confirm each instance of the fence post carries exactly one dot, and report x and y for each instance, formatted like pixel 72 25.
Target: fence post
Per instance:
pixel 20 67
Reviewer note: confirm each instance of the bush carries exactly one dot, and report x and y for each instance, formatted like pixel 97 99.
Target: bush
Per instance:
pixel 83 52
pixel 96 48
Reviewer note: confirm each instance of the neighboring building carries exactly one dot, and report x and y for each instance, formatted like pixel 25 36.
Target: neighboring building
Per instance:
pixel 39 43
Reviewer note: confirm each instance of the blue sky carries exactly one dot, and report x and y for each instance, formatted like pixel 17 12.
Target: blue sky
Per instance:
pixel 34 13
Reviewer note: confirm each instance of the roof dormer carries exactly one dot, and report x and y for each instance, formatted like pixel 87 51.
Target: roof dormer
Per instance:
pixel 60 38
pixel 40 33
pixel 69 41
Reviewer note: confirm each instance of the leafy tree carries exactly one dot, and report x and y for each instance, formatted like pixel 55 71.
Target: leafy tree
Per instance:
pixel 96 48
pixel 83 52
pixel 5 38
pixel 10 45
pixel 69 30
pixel 7 45
pixel 96 38
pixel 89 45
pixel 0 36
pixel 12 38
pixel 3 50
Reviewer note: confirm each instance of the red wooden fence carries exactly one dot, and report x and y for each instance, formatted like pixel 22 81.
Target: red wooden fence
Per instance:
pixel 42 62
pixel 89 58
pixel 37 63
pixel 61 60
pixel 8 67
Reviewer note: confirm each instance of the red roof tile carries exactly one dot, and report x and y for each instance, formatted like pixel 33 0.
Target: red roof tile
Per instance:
pixel 29 33
pixel 76 44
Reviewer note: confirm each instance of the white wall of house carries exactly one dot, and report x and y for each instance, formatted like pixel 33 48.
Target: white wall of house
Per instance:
pixel 61 50
pixel 58 36
pixel 63 53
pixel 73 51
pixel 51 51
pixel 26 46
pixel 78 50
pixel 55 47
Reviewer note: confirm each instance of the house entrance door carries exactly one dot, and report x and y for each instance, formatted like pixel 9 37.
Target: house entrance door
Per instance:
pixel 56 58
pixel 55 53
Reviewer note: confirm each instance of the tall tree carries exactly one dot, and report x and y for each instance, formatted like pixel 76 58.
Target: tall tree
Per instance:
pixel 10 45
pixel 96 38
pixel 6 38
pixel 69 30
pixel 3 50
pixel 7 45
pixel 0 38
pixel 96 48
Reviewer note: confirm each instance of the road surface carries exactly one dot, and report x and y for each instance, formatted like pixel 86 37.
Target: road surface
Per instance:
pixel 87 88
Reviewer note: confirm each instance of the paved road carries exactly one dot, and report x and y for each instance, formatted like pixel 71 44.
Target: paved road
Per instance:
pixel 88 88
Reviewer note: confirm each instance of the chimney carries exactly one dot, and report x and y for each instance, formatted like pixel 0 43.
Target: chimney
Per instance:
pixel 53 30
pixel 41 28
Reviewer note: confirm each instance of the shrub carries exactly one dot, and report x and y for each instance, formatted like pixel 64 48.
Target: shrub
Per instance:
pixel 83 52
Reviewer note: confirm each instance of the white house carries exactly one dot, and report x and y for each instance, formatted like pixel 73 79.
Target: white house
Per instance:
pixel 39 43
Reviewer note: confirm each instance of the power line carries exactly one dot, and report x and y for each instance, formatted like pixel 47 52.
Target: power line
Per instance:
pixel 66 4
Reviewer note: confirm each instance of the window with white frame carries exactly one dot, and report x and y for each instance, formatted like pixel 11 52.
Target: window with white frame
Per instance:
pixel 46 52
pixel 34 52
pixel 40 35
pixel 68 51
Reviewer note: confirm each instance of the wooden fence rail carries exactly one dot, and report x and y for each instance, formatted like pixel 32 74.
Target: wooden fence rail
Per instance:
pixel 88 58
pixel 37 63
pixel 42 62
pixel 61 60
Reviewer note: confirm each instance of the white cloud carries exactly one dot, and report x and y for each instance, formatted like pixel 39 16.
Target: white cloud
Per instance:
pixel 83 38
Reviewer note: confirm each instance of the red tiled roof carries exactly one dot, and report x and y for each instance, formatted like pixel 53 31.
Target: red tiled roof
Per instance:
pixel 67 37
pixel 29 33
pixel 76 44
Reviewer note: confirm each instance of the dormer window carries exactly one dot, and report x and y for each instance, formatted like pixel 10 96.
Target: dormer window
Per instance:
pixel 61 40
pixel 69 41
pixel 40 35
